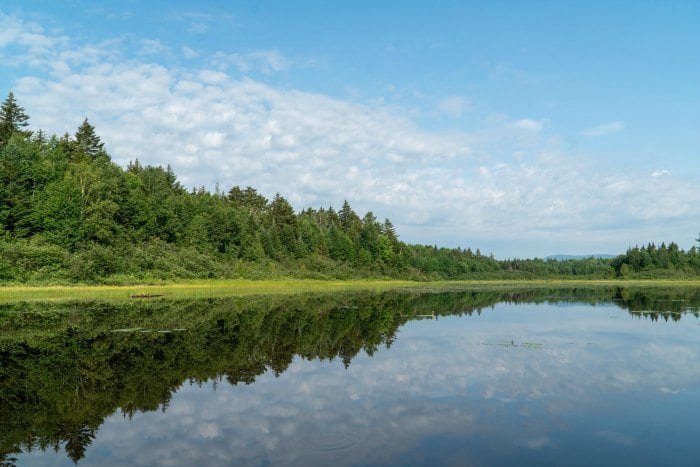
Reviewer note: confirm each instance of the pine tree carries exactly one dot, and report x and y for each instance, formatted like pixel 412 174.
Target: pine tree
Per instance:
pixel 87 141
pixel 134 167
pixel 349 221
pixel 13 119
pixel 390 232
pixel 249 198
pixel 40 137
pixel 284 222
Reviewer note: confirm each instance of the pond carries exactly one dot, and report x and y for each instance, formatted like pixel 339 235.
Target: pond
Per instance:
pixel 597 376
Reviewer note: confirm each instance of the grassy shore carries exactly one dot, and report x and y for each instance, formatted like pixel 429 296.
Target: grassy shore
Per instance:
pixel 241 288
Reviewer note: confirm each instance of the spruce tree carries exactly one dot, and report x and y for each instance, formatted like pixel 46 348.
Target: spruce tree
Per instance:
pixel 390 232
pixel 87 141
pixel 40 138
pixel 13 119
pixel 349 221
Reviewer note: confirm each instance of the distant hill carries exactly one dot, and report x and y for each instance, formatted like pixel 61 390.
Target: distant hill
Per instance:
pixel 568 257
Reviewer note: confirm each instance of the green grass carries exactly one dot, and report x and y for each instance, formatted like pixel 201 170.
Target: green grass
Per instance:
pixel 242 288
pixel 190 289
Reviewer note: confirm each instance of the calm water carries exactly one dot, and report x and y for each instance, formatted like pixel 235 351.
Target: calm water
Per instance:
pixel 539 377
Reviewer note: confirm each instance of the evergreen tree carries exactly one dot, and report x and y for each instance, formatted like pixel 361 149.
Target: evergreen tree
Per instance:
pixel 134 167
pixel 331 218
pixel 87 141
pixel 248 198
pixel 349 221
pixel 251 245
pixel 369 235
pixel 340 246
pixel 18 166
pixel 284 223
pixel 40 137
pixel 13 119
pixel 389 230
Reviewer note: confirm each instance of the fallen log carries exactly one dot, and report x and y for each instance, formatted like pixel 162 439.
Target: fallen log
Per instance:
pixel 147 295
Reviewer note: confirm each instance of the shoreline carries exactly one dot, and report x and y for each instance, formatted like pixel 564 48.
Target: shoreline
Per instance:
pixel 247 287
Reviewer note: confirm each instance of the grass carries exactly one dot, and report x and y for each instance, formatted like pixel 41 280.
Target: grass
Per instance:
pixel 190 289
pixel 242 288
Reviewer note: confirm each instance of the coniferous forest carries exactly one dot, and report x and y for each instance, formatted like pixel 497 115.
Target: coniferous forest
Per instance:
pixel 69 214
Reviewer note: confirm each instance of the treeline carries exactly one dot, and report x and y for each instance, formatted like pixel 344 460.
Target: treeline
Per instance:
pixel 658 262
pixel 68 213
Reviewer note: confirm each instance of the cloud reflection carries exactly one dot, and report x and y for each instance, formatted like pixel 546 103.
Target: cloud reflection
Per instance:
pixel 457 377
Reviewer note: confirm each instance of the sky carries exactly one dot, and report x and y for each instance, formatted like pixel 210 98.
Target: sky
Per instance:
pixel 519 128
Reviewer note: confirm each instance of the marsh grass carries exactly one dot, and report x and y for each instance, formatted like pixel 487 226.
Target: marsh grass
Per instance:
pixel 243 288
pixel 189 290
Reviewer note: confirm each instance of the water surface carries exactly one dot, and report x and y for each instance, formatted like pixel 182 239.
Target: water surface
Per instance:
pixel 525 377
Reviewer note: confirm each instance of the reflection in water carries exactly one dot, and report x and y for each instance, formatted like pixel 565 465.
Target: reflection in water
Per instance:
pixel 520 384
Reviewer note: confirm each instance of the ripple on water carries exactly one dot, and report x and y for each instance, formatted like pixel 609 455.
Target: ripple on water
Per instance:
pixel 330 441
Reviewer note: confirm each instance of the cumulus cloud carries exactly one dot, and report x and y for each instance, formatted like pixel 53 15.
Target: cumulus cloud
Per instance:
pixel 26 43
pixel 604 129
pixel 214 124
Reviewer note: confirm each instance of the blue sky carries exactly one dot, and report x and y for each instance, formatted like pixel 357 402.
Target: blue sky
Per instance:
pixel 519 128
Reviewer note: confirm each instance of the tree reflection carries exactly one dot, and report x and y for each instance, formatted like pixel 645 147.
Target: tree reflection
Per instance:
pixel 64 368
pixel 78 443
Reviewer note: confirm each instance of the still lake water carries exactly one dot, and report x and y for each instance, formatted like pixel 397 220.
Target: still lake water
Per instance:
pixel 526 377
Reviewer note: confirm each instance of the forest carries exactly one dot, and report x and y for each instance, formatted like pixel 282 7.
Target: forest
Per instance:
pixel 69 214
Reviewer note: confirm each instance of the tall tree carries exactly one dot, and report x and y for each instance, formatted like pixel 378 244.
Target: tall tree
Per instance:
pixel 249 198
pixel 19 162
pixel 87 141
pixel 284 222
pixel 13 118
pixel 349 221
pixel 40 137
pixel 369 235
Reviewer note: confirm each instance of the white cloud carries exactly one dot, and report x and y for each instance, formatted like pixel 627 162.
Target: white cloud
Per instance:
pixel 189 53
pixel 660 173
pixel 528 124
pixel 266 61
pixel 604 129
pixel 26 42
pixel 198 28
pixel 214 139
pixel 152 47
pixel 453 106
pixel 212 77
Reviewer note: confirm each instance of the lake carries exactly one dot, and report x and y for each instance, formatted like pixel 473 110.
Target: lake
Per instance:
pixel 576 376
